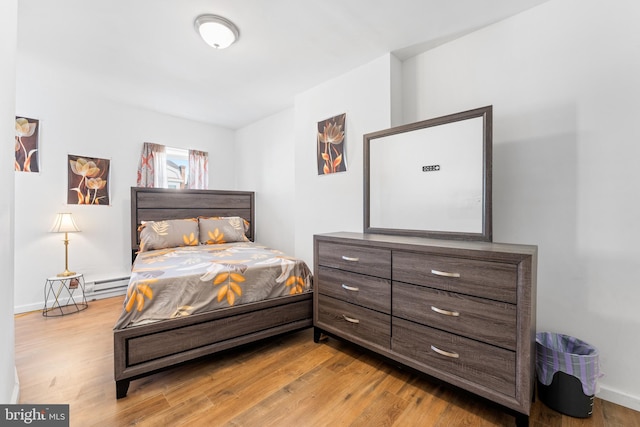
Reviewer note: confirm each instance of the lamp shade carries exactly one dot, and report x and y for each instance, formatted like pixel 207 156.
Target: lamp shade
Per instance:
pixel 216 31
pixel 64 223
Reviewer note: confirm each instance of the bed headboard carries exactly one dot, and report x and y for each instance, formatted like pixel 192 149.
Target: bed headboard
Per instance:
pixel 154 204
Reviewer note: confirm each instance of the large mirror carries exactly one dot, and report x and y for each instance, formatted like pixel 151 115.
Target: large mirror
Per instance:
pixel 431 178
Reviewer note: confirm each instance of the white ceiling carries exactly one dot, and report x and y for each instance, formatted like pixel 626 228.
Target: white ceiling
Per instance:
pixel 147 53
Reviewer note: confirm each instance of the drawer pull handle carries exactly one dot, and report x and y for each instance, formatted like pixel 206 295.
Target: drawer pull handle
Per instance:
pixel 444 273
pixel 350 319
pixel 350 288
pixel 445 312
pixel 445 353
pixel 351 259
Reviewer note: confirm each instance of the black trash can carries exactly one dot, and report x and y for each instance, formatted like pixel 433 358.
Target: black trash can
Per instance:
pixel 567 370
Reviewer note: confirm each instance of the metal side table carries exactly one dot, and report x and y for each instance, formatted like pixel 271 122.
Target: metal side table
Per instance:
pixel 60 294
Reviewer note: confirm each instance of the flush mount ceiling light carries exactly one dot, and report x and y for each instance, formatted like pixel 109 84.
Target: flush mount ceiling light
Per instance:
pixel 216 31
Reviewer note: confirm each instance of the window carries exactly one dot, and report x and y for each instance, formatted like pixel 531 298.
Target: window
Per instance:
pixel 177 168
pixel 169 167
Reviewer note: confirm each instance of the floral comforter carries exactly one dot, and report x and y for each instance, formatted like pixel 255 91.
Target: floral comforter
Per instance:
pixel 178 282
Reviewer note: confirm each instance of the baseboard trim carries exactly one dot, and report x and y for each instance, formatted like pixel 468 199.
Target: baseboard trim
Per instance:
pixel 619 398
pixel 15 396
pixel 19 309
pixel 26 308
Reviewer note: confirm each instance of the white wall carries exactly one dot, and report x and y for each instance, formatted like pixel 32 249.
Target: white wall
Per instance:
pixel 8 32
pixel 563 80
pixel 74 120
pixel 279 159
pixel 333 202
pixel 266 164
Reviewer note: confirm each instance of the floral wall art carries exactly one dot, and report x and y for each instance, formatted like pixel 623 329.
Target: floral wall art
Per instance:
pixel 331 154
pixel 27 144
pixel 88 181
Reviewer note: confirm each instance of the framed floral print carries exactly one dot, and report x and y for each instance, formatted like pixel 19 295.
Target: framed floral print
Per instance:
pixel 26 148
pixel 331 153
pixel 88 180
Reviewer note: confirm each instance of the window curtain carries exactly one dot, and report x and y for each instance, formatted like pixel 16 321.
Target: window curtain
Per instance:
pixel 152 166
pixel 198 170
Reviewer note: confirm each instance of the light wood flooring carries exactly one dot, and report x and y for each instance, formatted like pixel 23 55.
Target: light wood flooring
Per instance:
pixel 288 381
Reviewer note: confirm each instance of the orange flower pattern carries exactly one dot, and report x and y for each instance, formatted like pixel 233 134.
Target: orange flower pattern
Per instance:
pixel 137 292
pixel 215 237
pixel 230 287
pixel 297 284
pixel 190 240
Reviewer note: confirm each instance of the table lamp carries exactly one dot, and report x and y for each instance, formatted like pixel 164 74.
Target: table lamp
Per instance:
pixel 64 223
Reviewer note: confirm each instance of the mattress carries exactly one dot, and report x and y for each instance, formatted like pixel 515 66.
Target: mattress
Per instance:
pixel 182 281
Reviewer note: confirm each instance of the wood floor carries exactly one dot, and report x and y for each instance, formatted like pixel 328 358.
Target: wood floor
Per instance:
pixel 289 381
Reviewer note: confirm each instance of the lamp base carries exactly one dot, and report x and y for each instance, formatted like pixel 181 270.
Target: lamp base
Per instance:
pixel 67 273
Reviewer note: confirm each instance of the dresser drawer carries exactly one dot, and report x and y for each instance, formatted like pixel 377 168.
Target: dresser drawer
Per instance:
pixel 481 319
pixel 367 291
pixel 350 321
pixel 493 280
pixel 470 360
pixel 359 259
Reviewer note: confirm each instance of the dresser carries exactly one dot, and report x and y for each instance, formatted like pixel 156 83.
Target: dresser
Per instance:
pixel 462 312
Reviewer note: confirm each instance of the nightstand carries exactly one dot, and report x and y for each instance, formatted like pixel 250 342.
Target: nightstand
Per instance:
pixel 60 294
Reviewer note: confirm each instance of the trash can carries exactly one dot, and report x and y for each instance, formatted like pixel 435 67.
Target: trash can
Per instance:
pixel 567 370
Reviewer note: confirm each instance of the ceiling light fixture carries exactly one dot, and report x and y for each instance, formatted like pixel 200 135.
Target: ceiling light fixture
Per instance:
pixel 216 31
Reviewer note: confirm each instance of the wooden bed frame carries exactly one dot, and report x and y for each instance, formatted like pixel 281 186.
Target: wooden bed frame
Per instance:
pixel 142 350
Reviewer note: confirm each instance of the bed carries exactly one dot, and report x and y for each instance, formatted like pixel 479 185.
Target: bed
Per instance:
pixel 145 343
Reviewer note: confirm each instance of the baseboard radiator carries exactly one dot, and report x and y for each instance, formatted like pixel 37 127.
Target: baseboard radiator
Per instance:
pixel 106 288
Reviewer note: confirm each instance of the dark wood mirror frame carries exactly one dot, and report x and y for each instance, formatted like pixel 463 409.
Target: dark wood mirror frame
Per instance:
pixel 486 113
